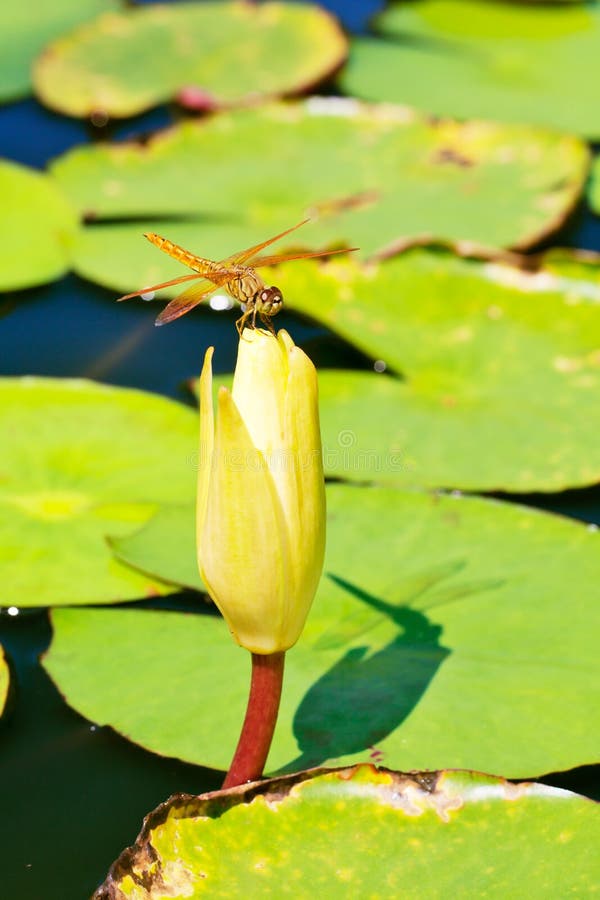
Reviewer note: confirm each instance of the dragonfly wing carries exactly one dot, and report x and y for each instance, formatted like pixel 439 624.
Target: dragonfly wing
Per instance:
pixel 239 258
pixel 159 287
pixel 284 257
pixel 187 300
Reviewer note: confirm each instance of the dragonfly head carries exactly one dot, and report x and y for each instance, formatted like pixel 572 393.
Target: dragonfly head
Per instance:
pixel 269 301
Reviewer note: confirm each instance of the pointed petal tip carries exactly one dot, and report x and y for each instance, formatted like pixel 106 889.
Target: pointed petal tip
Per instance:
pixel 285 339
pixel 206 373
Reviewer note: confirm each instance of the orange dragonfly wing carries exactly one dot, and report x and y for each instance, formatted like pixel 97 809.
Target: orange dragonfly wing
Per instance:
pixel 284 257
pixel 239 258
pixel 159 287
pixel 189 299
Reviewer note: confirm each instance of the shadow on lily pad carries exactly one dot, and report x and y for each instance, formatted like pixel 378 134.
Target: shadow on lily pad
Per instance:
pixel 379 689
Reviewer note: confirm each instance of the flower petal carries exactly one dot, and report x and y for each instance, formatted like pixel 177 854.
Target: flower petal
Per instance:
pixel 259 388
pixel 207 436
pixel 305 503
pixel 243 542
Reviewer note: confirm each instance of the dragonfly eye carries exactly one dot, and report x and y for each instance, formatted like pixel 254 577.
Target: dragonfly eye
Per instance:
pixel 271 300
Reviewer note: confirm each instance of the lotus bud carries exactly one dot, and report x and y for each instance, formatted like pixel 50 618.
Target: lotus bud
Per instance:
pixel 261 494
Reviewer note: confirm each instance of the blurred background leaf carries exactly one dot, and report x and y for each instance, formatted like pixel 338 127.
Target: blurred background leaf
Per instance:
pixel 512 62
pixel 594 194
pixel 369 175
pixel 26 27
pixel 205 55
pixel 37 228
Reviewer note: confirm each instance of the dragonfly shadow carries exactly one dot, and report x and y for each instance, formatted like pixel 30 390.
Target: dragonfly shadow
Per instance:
pixel 366 695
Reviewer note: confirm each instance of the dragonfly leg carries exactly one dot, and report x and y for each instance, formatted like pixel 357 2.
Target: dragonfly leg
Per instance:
pixel 241 322
pixel 268 321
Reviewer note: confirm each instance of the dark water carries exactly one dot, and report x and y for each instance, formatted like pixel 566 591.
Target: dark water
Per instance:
pixel 73 795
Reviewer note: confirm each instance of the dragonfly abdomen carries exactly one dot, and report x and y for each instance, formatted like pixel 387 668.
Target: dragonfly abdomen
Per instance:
pixel 197 263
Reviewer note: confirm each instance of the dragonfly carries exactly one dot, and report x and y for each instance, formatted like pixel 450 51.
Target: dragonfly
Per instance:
pixel 236 274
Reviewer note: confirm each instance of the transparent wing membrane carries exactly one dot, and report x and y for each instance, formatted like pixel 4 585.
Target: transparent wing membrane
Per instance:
pixel 243 256
pixel 159 287
pixel 187 300
pixel 285 257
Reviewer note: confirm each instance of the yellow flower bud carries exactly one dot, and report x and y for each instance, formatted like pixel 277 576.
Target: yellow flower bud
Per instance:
pixel 261 493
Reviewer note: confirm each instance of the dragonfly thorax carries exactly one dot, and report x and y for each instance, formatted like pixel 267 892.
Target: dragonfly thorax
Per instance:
pixel 257 297
pixel 245 286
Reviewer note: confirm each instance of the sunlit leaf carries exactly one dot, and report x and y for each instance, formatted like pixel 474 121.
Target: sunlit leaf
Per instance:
pixel 431 834
pixel 37 228
pixel 80 461
pixel 498 369
pixel 26 27
pixel 530 63
pixel 163 545
pixel 205 55
pixel 371 175
pixel 445 628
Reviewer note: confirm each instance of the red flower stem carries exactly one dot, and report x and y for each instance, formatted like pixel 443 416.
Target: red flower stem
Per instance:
pixel 259 724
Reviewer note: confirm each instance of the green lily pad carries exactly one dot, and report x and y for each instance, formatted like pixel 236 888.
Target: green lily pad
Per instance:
pixel 491 394
pixel 37 227
pixel 445 628
pixel 26 27
pixel 515 63
pixel 374 175
pixel 80 461
pixel 4 680
pixel 439 831
pixel 207 55
pixel 158 547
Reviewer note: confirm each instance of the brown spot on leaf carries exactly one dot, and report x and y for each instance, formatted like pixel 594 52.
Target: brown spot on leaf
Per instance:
pixel 427 780
pixel 342 204
pixel 447 155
